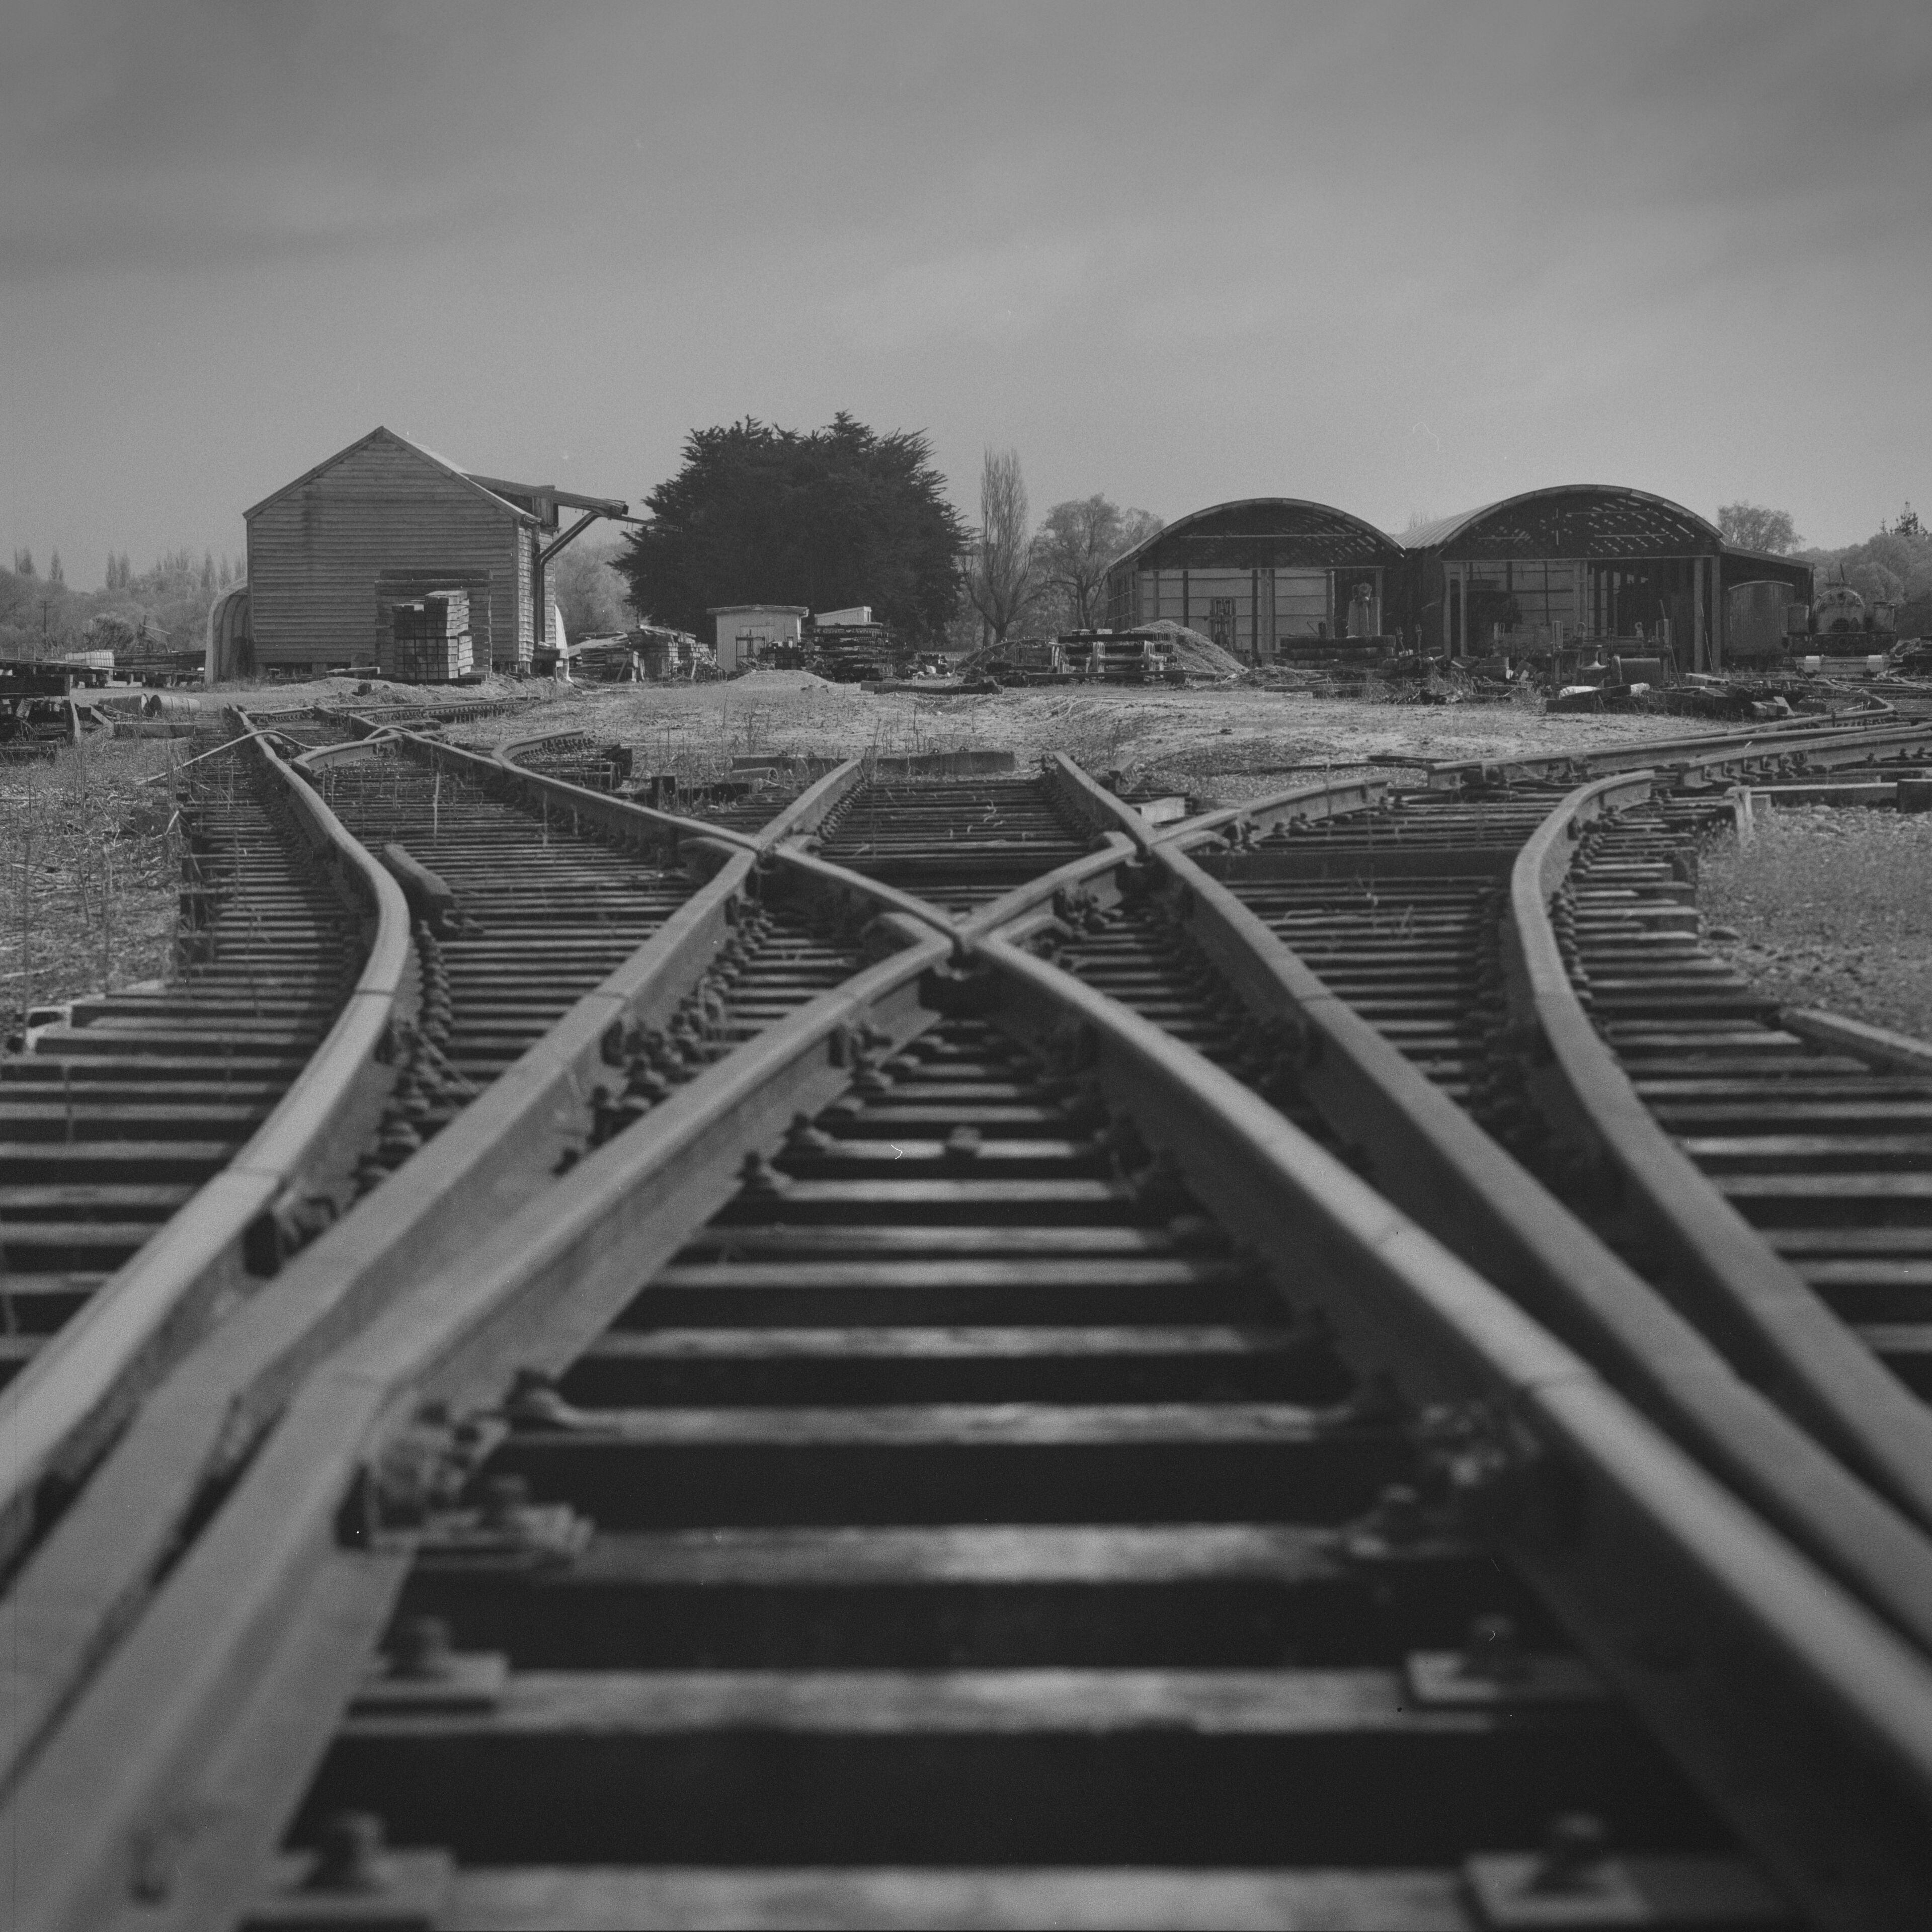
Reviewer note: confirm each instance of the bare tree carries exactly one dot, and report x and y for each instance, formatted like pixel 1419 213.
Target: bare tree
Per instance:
pixel 1001 579
pixel 1752 526
pixel 1078 539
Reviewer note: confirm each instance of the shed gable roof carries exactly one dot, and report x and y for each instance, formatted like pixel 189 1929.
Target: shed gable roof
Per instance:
pixel 380 434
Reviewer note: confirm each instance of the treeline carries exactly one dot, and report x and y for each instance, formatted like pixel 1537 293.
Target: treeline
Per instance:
pixel 173 596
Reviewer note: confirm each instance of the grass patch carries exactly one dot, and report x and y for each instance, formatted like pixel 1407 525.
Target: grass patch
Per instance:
pixel 90 871
pixel 1830 907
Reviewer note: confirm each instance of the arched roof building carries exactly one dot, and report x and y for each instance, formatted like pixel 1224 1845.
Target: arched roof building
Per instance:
pixel 1259 574
pixel 1582 561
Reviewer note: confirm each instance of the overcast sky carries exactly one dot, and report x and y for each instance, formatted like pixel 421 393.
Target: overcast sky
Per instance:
pixel 1398 259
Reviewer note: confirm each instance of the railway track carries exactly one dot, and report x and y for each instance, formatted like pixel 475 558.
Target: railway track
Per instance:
pixel 1414 918
pixel 1813 1129
pixel 1043 1480
pixel 959 842
pixel 1774 1162
pixel 121 1106
pixel 163 1144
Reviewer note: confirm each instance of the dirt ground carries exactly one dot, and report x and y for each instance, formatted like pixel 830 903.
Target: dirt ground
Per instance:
pixel 1226 743
pixel 1829 907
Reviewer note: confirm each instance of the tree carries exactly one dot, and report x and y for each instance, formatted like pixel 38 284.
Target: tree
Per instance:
pixel 56 574
pixel 1752 526
pixel 1001 576
pixel 23 563
pixel 825 518
pixel 1078 539
pixel 589 593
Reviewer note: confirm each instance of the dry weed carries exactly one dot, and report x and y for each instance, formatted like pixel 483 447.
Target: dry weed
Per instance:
pixel 91 871
pixel 1830 908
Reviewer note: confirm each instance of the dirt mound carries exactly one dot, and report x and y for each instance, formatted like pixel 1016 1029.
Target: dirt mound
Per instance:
pixel 766 678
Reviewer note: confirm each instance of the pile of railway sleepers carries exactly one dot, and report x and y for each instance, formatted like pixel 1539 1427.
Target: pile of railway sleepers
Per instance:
pixel 429 640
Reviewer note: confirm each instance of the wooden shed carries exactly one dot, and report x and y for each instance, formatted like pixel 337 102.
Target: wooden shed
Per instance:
pixel 1580 563
pixel 1260 576
pixel 385 521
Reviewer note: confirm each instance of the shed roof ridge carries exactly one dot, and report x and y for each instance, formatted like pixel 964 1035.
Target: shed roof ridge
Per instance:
pixel 1443 530
pixel 1180 524
pixel 382 432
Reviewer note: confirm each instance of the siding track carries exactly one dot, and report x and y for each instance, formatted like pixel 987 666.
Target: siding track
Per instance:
pixel 164 1148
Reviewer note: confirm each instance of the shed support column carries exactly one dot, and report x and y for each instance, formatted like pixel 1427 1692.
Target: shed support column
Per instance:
pixel 1460 643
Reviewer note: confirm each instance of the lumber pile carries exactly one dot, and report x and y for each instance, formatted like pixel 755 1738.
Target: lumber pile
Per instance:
pixel 429 639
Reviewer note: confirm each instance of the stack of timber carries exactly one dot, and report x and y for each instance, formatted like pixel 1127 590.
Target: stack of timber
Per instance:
pixel 429 639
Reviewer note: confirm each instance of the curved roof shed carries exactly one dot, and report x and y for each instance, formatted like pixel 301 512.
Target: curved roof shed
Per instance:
pixel 1257 573
pixel 1579 561
pixel 1587 520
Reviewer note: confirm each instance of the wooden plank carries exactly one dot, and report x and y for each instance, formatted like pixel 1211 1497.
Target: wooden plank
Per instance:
pixel 1015 1554
pixel 924 1344
pixel 671 1898
pixel 1026 1703
pixel 961 1426
pixel 1177 1272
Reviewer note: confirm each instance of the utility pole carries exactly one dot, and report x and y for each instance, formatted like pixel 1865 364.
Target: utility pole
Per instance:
pixel 45 601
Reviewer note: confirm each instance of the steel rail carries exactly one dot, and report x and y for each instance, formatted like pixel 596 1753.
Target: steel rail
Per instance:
pixel 169 1784
pixel 1789 738
pixel 58 1417
pixel 1434 1162
pixel 1759 1309
pixel 90 1578
pixel 1297 804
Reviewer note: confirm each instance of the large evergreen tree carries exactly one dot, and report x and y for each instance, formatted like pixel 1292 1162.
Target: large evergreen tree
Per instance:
pixel 837 516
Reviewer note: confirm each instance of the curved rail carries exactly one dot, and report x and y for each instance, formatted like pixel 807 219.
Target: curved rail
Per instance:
pixel 90 1576
pixel 1803 739
pixel 1432 1159
pixel 93 1574
pixel 58 1417
pixel 1762 1311
pixel 216 1705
